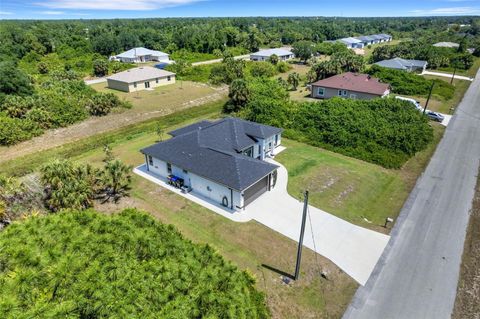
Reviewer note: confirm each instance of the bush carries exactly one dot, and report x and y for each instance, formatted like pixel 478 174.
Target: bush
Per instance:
pixel 127 265
pixel 262 69
pixel 382 131
pixel 283 67
pixel 14 130
pixel 102 103
pixel 411 84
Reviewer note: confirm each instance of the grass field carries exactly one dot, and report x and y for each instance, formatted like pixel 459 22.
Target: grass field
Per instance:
pixel 439 104
pixel 162 97
pixel 362 193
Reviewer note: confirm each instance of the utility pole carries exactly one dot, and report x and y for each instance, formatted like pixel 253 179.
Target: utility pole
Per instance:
pixel 453 76
pixel 302 234
pixel 429 95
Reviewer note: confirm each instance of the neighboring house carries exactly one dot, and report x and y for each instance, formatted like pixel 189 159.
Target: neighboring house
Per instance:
pixel 141 55
pixel 352 43
pixel 405 65
pixel 264 55
pixel 350 85
pixel 364 40
pixel 221 160
pixel 141 78
pixel 446 45
pixel 368 40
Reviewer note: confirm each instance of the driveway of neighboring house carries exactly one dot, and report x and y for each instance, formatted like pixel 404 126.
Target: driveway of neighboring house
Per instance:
pixel 447 75
pixel 354 249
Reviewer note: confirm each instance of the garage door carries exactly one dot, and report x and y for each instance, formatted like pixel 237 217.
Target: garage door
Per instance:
pixel 255 191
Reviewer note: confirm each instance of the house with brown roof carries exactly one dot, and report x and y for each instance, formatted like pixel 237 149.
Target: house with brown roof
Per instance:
pixel 350 85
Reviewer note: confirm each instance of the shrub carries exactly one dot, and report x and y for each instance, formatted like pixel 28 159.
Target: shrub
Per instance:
pixel 14 130
pixel 102 103
pixel 127 265
pixel 262 69
pixel 283 67
pixel 411 84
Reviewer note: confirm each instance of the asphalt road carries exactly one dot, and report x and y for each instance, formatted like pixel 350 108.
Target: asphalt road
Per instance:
pixel 417 275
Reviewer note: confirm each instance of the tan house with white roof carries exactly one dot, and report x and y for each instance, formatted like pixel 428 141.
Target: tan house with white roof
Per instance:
pixel 141 78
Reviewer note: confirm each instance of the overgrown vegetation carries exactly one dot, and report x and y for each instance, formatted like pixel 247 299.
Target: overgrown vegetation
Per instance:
pixel 424 50
pixel 411 84
pixel 70 185
pixel 383 131
pixel 58 100
pixel 88 265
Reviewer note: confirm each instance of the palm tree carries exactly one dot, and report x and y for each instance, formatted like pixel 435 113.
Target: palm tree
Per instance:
pixel 293 79
pixel 68 185
pixel 239 94
pixel 116 179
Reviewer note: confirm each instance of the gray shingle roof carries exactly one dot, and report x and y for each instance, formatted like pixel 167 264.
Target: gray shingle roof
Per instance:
pixel 140 74
pixel 210 149
pixel 401 64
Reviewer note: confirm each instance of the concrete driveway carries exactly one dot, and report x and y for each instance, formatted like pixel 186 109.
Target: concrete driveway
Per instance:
pixel 354 249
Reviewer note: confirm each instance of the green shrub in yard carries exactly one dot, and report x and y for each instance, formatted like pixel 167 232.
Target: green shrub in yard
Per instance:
pixel 382 131
pixel 127 265
pixel 410 83
pixel 259 69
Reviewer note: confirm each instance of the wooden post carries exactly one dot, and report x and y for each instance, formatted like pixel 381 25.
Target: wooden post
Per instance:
pixel 302 234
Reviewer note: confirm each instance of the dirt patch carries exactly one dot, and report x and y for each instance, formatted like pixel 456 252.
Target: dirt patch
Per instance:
pixel 467 304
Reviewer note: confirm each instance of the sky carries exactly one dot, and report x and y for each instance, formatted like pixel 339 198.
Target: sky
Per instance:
pixel 96 9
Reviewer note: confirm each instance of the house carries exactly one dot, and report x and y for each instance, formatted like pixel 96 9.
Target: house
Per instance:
pixel 403 64
pixel 141 55
pixel 352 43
pixel 446 45
pixel 223 161
pixel 264 55
pixel 365 40
pixel 368 40
pixel 141 78
pixel 385 37
pixel 350 85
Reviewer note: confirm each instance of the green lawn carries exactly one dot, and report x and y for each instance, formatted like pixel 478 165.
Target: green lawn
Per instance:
pixel 357 191
pixel 438 103
pixel 166 97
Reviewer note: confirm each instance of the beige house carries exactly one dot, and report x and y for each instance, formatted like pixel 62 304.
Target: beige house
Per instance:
pixel 141 78
pixel 350 85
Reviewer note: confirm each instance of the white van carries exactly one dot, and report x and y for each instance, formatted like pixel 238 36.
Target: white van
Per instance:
pixel 414 102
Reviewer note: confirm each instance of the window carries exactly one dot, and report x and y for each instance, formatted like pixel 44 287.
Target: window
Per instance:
pixel 147 85
pixel 353 96
pixel 169 168
pixel 156 80
pixel 342 92
pixel 169 78
pixel 185 171
pixel 321 91
pixel 276 139
pixel 248 152
pixel 150 160
pixel 135 84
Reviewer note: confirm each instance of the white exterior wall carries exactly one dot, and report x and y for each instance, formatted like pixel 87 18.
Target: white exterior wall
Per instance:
pixel 153 83
pixel 199 185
